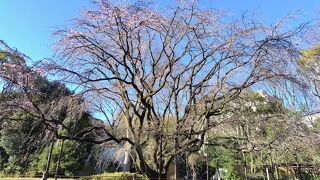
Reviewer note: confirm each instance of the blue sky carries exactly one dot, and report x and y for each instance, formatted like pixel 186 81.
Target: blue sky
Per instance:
pixel 28 24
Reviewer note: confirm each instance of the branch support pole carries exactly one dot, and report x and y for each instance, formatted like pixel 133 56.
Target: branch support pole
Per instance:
pixel 59 159
pixel 45 174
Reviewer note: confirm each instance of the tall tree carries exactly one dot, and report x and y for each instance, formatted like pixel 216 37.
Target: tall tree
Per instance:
pixel 35 111
pixel 167 74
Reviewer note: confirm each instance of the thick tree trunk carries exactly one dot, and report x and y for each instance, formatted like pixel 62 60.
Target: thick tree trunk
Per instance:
pixel 157 176
pixel 151 174
pixel 154 175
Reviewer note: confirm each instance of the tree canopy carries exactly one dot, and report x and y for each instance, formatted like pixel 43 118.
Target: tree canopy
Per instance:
pixel 161 86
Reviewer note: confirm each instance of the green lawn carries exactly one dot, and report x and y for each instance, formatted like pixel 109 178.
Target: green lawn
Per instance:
pixel 29 179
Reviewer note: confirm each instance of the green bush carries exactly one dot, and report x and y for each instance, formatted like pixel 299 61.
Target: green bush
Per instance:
pixel 115 176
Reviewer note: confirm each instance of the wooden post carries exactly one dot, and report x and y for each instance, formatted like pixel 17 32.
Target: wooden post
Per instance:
pixel 299 171
pixel 271 164
pixel 217 166
pixel 313 172
pixel 45 174
pixel 267 171
pixel 276 171
pixel 207 166
pixel 251 163
pixel 59 159
pixel 245 165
